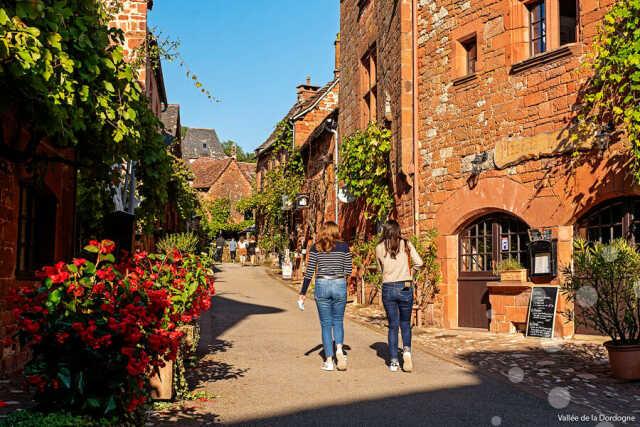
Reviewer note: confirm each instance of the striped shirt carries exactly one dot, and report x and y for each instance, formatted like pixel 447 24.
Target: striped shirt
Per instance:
pixel 334 263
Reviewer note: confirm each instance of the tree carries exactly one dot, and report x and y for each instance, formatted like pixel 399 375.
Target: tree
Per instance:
pixel 612 94
pixel 241 156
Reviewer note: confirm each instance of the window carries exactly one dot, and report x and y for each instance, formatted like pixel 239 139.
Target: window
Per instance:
pixel 471 48
pixel 537 27
pixel 568 21
pixel 491 238
pixel 36 230
pixel 370 89
pixel 204 145
pixel 614 219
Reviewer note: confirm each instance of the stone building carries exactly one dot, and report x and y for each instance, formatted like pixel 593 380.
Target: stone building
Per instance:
pixel 199 142
pixel 223 179
pixel 498 85
pixel 37 212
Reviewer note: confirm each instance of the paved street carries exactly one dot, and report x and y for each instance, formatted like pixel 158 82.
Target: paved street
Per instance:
pixel 262 358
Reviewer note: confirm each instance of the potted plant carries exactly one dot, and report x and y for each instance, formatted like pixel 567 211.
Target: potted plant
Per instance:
pixel 604 282
pixel 510 270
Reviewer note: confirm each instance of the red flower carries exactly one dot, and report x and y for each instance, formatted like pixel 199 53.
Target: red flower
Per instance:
pixel 3 403
pixel 79 261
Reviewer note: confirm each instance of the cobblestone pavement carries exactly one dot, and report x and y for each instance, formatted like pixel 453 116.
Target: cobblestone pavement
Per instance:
pixel 577 368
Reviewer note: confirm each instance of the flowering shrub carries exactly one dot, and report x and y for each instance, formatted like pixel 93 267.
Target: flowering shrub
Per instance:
pixel 98 330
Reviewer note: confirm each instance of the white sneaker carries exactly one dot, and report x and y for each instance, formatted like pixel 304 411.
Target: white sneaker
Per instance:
pixel 342 361
pixel 407 366
pixel 394 366
pixel 327 366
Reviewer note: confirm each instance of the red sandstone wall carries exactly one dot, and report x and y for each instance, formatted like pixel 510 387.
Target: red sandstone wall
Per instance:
pixel 232 185
pixel 506 99
pixel 387 24
pixel 60 180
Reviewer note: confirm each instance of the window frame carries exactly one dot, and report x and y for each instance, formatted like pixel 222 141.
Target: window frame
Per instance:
pixel 470 45
pixel 542 21
pixel 369 64
pixel 30 224
pixel 627 224
pixel 493 222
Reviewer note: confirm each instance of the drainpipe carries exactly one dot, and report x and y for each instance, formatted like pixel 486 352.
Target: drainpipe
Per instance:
pixel 416 178
pixel 335 164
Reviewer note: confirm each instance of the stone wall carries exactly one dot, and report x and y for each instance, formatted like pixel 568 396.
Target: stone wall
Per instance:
pixel 232 184
pixel 498 139
pixel 59 180
pixel 383 26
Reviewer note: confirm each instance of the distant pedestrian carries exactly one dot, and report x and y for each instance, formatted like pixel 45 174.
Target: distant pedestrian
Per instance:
pixel 232 249
pixel 220 243
pixel 330 261
pixel 242 250
pixel 251 250
pixel 394 255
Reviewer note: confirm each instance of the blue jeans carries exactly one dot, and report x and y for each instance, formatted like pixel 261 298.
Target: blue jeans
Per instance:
pixel 331 299
pixel 398 304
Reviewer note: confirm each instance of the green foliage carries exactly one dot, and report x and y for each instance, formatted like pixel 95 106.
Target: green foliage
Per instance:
pixel 285 179
pixel 55 419
pixel 216 218
pixel 241 156
pixel 507 265
pixel 604 283
pixel 186 243
pixel 63 75
pixel 427 279
pixel 364 169
pixel 613 93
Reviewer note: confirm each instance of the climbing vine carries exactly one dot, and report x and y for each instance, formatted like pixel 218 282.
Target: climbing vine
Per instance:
pixel 612 94
pixel 63 76
pixel 216 218
pixel 284 179
pixel 364 168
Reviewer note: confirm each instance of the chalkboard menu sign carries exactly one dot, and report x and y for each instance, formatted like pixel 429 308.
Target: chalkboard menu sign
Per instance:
pixel 542 311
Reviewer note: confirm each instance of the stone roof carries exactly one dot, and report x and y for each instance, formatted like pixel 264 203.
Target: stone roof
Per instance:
pixel 249 169
pixel 171 119
pixel 207 170
pixel 200 142
pixel 297 108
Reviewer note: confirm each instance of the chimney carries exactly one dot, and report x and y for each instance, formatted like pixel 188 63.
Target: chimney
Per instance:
pixel 336 72
pixel 306 91
pixel 234 151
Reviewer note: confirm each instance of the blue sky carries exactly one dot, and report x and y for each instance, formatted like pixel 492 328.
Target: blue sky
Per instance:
pixel 251 55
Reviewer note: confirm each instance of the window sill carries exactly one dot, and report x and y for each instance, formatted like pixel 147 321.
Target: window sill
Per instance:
pixel 544 58
pixel 465 79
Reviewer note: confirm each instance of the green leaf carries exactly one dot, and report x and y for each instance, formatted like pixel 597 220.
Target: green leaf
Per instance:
pixel 109 86
pixel 65 376
pixel 111 405
pixel 4 18
pixel 93 402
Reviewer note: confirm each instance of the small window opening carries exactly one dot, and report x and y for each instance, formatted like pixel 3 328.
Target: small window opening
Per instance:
pixel 537 27
pixel 568 21
pixel 471 47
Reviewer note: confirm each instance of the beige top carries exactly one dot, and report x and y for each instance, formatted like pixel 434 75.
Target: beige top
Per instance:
pixel 397 270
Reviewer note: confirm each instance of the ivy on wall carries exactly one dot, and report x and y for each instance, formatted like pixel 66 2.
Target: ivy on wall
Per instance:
pixel 216 218
pixel 63 75
pixel 364 168
pixel 612 94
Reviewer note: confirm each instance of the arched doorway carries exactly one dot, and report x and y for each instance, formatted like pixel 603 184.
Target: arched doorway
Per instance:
pixel 610 220
pixel 486 240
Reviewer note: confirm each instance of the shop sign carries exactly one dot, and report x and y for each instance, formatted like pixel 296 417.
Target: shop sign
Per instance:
pixel 511 151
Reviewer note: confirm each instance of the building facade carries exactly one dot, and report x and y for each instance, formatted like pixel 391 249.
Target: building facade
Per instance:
pixel 498 87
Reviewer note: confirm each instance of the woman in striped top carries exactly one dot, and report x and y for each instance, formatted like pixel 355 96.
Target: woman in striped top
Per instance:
pixel 330 261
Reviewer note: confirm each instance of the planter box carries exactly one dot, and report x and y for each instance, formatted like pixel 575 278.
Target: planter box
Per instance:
pixel 162 383
pixel 625 360
pixel 513 276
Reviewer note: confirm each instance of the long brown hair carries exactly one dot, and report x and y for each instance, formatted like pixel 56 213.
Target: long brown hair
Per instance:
pixel 327 237
pixel 391 238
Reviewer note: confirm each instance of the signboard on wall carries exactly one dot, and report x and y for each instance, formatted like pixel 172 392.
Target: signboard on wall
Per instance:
pixel 542 311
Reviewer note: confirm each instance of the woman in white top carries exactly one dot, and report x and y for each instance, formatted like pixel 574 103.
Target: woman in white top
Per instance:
pixel 242 250
pixel 393 256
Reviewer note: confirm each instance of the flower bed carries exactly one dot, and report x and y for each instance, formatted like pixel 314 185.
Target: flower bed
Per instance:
pixel 98 330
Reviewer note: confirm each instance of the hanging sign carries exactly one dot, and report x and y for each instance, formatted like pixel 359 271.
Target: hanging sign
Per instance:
pixel 542 311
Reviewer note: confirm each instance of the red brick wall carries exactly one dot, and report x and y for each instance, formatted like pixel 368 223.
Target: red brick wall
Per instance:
pixel 510 99
pixel 60 180
pixel 387 25
pixel 232 185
